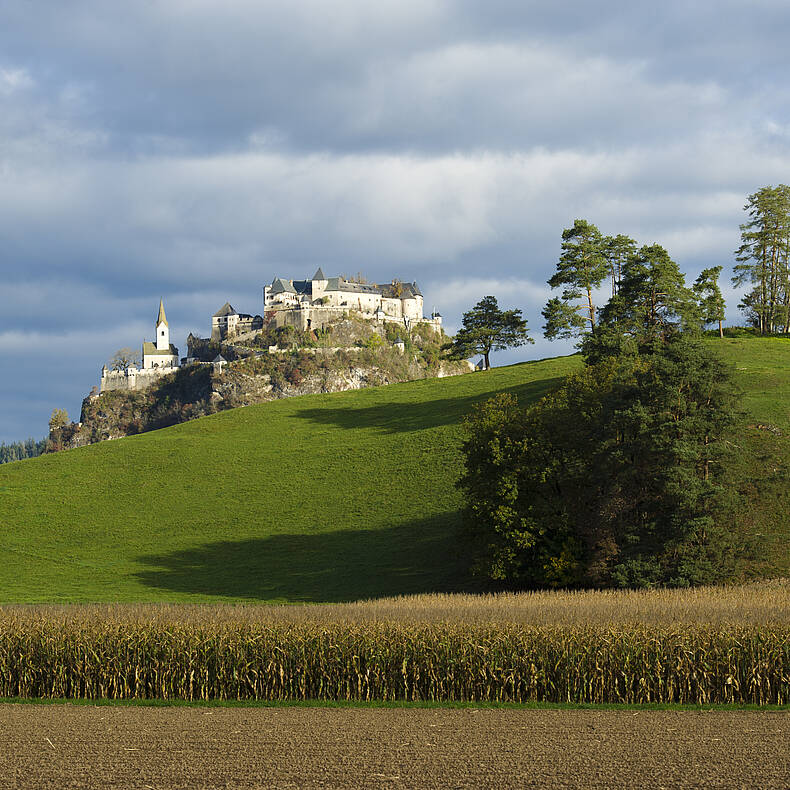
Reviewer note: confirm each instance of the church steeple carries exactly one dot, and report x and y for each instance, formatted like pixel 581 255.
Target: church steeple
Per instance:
pixel 162 329
pixel 161 319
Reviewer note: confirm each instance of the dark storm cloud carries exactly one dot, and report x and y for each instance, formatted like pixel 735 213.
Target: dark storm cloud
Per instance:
pixel 193 150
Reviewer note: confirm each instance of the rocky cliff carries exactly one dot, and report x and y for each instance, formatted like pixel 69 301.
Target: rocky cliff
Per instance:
pixel 201 388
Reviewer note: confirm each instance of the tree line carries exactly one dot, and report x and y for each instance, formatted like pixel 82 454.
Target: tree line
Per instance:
pixel 17 451
pixel 644 284
pixel 591 263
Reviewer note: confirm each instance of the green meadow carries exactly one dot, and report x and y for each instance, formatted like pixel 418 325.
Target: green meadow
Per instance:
pixel 318 498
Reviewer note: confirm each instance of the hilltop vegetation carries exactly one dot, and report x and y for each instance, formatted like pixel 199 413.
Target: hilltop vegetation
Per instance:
pixel 350 354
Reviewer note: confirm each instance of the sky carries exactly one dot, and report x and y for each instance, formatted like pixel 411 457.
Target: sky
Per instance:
pixel 193 150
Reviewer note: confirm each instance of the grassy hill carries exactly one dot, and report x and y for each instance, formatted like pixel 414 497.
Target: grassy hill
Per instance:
pixel 318 498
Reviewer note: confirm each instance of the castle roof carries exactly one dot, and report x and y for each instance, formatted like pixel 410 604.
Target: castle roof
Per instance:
pixel 390 291
pixel 226 309
pixel 339 284
pixel 219 358
pixel 150 350
pixel 161 318
pixel 319 275
pixel 280 286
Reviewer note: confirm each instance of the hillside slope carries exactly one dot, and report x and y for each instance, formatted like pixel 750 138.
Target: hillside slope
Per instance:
pixel 317 498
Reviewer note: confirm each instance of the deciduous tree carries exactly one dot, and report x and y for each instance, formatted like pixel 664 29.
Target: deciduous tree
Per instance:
pixel 58 419
pixel 124 358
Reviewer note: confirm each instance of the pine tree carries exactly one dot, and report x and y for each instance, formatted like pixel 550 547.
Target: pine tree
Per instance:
pixel 582 267
pixel 618 250
pixel 16 451
pixel 486 328
pixel 652 299
pixel 763 259
pixel 709 299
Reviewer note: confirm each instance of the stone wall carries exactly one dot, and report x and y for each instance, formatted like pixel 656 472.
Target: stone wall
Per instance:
pixel 317 317
pixel 132 380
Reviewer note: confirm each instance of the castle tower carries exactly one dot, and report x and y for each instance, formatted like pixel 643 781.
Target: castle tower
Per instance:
pixel 319 284
pixel 162 329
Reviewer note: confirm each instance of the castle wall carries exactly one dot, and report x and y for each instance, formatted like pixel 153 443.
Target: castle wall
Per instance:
pixel 318 317
pixel 412 308
pixel 321 316
pixel 223 327
pixel 133 379
pixel 364 303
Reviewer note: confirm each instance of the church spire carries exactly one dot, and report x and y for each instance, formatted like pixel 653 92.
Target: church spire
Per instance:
pixel 161 319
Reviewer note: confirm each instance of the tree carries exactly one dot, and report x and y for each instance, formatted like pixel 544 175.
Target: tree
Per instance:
pixel 58 419
pixel 764 259
pixel 618 250
pixel 612 480
pixel 486 328
pixel 709 298
pixel 124 358
pixel 652 299
pixel 582 267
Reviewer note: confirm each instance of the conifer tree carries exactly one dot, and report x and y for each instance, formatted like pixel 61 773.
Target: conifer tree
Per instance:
pixel 486 328
pixel 615 478
pixel 709 299
pixel 582 267
pixel 618 250
pixel 763 259
pixel 652 298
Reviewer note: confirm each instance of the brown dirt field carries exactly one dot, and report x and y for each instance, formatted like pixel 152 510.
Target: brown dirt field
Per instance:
pixel 69 746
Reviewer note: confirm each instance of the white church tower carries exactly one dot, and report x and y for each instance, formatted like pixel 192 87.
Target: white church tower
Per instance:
pixel 160 354
pixel 162 329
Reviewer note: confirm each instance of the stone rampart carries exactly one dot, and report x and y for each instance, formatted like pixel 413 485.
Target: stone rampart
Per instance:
pixel 132 379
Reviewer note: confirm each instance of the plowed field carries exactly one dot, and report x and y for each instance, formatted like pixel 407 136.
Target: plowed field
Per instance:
pixel 70 746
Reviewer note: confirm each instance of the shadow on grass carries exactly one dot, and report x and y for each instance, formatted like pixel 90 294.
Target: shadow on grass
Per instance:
pixel 396 417
pixel 336 566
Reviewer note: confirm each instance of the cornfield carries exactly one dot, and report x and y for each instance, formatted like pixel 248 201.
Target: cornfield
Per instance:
pixel 301 653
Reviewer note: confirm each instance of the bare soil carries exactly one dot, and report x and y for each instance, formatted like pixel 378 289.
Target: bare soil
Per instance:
pixel 70 746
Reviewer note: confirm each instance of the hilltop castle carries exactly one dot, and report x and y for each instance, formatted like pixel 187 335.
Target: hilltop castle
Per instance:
pixel 303 304
pixel 159 357
pixel 315 303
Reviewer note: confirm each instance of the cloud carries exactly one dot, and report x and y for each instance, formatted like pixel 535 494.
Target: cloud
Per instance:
pixel 13 80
